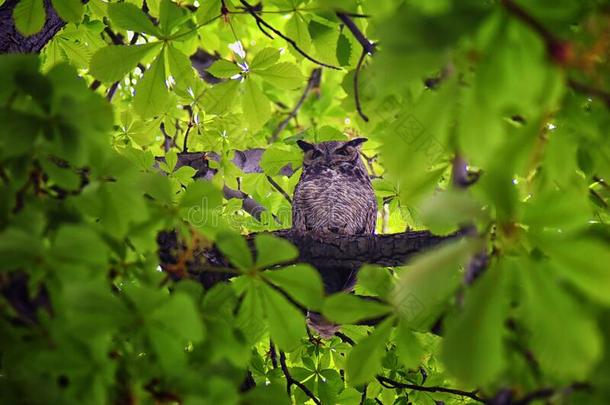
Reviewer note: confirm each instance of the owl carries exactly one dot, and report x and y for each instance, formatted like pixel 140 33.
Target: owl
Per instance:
pixel 334 193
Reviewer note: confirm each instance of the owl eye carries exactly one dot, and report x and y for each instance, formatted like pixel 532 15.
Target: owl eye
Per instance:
pixel 342 152
pixel 316 154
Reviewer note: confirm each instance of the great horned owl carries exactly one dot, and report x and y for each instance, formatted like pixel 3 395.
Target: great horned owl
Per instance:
pixel 334 193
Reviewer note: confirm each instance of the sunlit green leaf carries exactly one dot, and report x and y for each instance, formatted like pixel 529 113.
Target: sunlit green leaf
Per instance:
pixel 113 62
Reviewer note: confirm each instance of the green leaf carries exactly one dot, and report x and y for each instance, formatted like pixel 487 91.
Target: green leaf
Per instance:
pixel 446 211
pixel 301 282
pixel 235 248
pixel 283 75
pixel 264 59
pixel 69 10
pixel 346 308
pixel 425 286
pixel 364 361
pixel 296 28
pixel 376 280
pixel 170 16
pixel 251 313
pixel 180 67
pixel 111 63
pixel 277 156
pixel 179 317
pixel 224 69
pixel 409 349
pixel 255 106
pixel 29 16
pixel 77 52
pixel 473 348
pixel 129 17
pixel 572 257
pixel 286 323
pixel 151 92
pixel 220 98
pixel 79 244
pixel 272 250
pixel 566 346
pixel 18 248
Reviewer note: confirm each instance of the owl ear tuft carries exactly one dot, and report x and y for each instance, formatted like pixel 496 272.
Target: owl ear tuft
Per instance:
pixel 305 146
pixel 356 142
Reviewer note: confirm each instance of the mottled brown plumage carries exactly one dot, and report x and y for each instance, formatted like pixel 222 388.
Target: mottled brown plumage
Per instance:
pixel 333 195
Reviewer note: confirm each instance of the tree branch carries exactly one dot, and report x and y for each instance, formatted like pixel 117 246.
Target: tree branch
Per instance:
pixel 290 381
pixel 368 48
pixel 312 82
pixel 389 383
pixel 262 22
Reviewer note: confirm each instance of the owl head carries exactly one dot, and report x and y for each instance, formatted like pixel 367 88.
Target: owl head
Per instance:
pixel 331 154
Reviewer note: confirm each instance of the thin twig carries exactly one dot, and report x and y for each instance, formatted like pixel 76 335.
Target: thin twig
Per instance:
pixel 312 82
pixel 272 354
pixel 111 91
pixel 590 91
pixel 290 381
pixel 258 18
pixel 367 48
pixel 558 49
pixel 389 383
pixel 367 45
pixel 356 91
pixel 345 338
pixel 279 188
pixel 549 392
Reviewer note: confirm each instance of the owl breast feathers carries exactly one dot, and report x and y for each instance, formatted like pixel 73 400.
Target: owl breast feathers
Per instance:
pixel 334 193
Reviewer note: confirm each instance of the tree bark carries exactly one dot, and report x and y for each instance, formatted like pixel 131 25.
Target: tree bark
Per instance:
pixel 336 257
pixel 11 41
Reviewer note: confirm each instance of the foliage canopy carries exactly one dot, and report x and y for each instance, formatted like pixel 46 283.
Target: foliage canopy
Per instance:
pixel 489 114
